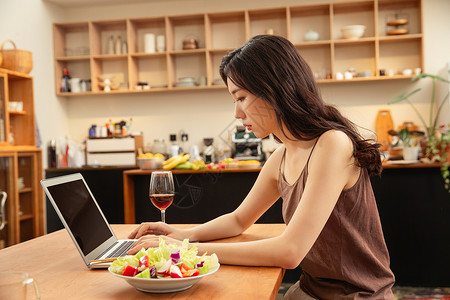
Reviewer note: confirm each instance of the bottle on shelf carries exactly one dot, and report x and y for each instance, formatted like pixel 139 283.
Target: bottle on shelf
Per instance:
pixel 118 47
pixel 110 47
pixel 65 83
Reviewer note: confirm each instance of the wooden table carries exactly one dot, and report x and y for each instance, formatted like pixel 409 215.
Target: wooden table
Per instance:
pixel 54 262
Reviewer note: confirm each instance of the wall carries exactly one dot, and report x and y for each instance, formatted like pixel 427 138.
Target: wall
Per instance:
pixel 203 113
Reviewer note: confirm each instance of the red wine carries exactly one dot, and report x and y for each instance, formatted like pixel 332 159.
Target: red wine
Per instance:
pixel 162 201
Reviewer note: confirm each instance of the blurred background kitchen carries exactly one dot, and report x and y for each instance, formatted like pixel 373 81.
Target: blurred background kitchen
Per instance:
pixel 190 110
pixel 199 113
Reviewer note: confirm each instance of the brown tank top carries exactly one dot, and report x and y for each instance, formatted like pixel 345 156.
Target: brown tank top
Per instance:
pixel 349 259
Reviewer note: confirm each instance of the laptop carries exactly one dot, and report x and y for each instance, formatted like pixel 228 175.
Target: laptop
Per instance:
pixel 82 217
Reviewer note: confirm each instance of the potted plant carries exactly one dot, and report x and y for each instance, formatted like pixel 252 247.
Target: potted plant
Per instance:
pixel 437 138
pixel 410 140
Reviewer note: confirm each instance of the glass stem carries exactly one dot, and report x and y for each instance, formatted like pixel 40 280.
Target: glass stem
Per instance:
pixel 163 216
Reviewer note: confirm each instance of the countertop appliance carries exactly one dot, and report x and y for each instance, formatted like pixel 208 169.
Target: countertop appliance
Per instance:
pixel 247 145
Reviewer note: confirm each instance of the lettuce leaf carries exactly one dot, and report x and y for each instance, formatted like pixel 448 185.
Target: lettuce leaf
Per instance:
pixel 121 262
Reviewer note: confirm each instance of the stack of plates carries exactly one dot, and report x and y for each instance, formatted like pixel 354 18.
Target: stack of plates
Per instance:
pixel 186 81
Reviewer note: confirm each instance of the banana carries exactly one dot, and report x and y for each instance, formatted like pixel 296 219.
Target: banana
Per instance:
pixel 173 163
pixel 185 157
pixel 175 160
pixel 168 161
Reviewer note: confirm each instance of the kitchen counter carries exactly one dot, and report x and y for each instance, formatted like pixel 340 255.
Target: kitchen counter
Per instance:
pixel 200 195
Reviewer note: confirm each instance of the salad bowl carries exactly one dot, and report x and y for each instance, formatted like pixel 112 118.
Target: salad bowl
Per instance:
pixel 163 285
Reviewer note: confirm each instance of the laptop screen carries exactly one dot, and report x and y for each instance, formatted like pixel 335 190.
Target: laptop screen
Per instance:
pixel 81 214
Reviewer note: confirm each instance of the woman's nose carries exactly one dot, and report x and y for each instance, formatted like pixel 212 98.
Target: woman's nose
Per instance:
pixel 238 112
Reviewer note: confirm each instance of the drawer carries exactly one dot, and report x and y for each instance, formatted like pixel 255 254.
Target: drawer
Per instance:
pixel 112 159
pixel 110 145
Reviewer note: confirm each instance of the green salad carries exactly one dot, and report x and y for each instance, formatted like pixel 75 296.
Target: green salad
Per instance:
pixel 166 261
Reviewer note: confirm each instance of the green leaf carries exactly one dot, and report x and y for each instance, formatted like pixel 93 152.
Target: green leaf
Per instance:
pixel 424 75
pixel 403 96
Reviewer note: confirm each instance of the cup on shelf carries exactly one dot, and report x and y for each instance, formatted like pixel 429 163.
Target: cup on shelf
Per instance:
pixel 160 43
pixel 75 85
pixel 149 43
pixel 407 72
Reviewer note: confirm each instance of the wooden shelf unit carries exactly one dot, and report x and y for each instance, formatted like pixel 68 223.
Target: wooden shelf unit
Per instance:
pixel 81 46
pixel 20 161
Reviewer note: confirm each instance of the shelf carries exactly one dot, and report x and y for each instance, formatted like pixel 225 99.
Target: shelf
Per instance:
pixel 26 217
pixel 13 112
pixel 82 47
pixel 25 190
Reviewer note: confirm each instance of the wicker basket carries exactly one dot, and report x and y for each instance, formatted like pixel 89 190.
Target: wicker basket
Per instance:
pixel 15 59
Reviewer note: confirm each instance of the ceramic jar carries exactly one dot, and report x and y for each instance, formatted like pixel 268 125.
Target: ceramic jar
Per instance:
pixel 311 35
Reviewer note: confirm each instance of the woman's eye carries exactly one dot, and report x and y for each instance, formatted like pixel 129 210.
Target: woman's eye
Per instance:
pixel 239 99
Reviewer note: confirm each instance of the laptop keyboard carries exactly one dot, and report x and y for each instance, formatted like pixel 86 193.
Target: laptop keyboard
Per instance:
pixel 121 250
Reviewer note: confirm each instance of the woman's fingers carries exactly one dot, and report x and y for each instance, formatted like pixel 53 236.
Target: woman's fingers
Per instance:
pixel 158 228
pixel 149 241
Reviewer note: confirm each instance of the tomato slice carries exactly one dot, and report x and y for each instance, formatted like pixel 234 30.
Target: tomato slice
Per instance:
pixel 130 271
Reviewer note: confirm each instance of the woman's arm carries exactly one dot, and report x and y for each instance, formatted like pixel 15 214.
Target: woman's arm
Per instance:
pixel 263 194
pixel 331 169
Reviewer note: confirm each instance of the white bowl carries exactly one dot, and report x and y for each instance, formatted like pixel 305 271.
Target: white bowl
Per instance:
pixel 150 163
pixel 163 285
pixel 353 31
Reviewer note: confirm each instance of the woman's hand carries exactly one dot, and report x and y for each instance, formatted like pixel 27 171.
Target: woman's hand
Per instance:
pixel 149 234
pixel 158 228
pixel 151 241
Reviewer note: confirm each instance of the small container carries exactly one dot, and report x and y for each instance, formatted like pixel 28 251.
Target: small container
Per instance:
pixel 75 85
pixel 159 146
pixel 51 154
pixel 149 45
pixel 311 35
pixel 83 85
pixel 153 163
pixel 118 45
pixel 160 43
pixel 190 43
pixel 110 48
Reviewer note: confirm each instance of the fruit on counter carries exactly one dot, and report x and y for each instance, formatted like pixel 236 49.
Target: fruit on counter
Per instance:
pixel 150 155
pixel 175 160
pixel 198 164
pixel 249 162
pixel 187 165
pixel 212 166
pixel 229 162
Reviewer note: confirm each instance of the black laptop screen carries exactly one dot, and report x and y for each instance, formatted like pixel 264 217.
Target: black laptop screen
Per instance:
pixel 81 214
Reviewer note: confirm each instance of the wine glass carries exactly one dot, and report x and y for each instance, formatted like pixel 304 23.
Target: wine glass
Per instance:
pixel 162 191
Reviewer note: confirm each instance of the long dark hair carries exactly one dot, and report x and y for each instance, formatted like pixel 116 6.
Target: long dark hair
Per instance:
pixel 270 67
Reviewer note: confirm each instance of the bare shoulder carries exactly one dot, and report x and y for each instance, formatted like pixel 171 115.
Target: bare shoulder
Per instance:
pixel 335 144
pixel 272 165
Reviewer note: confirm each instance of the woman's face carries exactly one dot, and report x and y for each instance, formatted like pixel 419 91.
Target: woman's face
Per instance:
pixel 256 114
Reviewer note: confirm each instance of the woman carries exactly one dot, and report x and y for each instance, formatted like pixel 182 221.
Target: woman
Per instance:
pixel 321 171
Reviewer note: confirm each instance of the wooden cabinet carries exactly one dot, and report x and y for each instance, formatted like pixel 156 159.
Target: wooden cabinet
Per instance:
pixel 20 160
pixel 20 175
pixel 83 47
pixel 17 125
